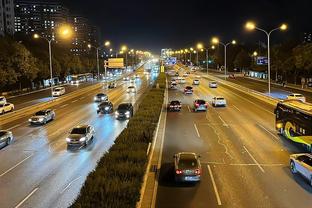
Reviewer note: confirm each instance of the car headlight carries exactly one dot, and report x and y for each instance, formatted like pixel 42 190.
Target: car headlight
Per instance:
pixel 68 139
pixel 102 98
pixel 82 139
pixel 127 113
pixel 29 120
pixel 116 113
pixel 106 108
pixel 94 98
pixel 41 119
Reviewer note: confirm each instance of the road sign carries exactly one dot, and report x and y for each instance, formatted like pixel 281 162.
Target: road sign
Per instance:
pixel 262 60
pixel 171 61
pixel 162 69
pixel 114 63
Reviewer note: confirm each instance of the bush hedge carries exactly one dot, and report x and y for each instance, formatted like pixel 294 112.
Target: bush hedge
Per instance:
pixel 117 179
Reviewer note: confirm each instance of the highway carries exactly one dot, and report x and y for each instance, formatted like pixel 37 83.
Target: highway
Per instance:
pixel 38 170
pixel 244 162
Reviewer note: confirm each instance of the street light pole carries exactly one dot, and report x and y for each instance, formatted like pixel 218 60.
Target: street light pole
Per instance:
pixel 207 57
pixel 98 63
pixel 50 60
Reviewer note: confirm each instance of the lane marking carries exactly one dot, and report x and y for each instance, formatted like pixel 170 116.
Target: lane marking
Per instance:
pixel 74 101
pixel 254 164
pixel 27 197
pixel 70 183
pixel 188 107
pixel 214 186
pixel 224 124
pixel 196 129
pixel 274 136
pixel 64 106
pixel 236 108
pixel 16 165
pixel 255 161
pixel 13 127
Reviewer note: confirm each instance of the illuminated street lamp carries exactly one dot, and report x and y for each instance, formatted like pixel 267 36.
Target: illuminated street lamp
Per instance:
pixel 124 48
pixel 252 26
pixel 201 47
pixel 97 59
pixel 216 40
pixel 65 32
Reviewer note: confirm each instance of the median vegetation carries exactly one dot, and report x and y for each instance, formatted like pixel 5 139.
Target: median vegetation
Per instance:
pixel 117 179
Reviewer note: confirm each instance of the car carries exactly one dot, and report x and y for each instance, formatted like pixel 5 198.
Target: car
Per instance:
pixel 126 79
pixel 296 96
pixel 196 82
pixel 200 105
pixel 131 89
pixel 2 100
pixel 6 138
pixel 7 107
pixel 185 75
pixel 124 111
pixel 177 74
pixel 302 164
pixel 188 90
pixel 105 107
pixel 173 81
pixel 58 91
pixel 137 76
pixel 80 135
pixel 173 86
pixel 188 72
pixel 197 77
pixel 218 101
pixel 42 117
pixel 100 97
pixel 174 105
pixel 187 167
pixel 112 85
pixel 213 84
pixel 182 81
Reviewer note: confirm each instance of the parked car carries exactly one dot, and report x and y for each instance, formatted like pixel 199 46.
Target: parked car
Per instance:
pixel 218 101
pixel 2 100
pixel 105 107
pixel 100 97
pixel 58 91
pixel 188 90
pixel 124 111
pixel 302 164
pixel 6 138
pixel 174 105
pixel 112 85
pixel 80 135
pixel 7 107
pixel 42 117
pixel 296 96
pixel 196 82
pixel 131 89
pixel 213 84
pixel 200 105
pixel 187 167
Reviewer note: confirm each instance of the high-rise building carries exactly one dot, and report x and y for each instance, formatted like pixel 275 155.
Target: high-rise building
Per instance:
pixel 39 16
pixel 6 17
pixel 307 37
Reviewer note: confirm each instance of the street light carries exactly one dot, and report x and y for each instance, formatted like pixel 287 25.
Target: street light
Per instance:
pixel 64 32
pixel 201 47
pixel 97 60
pixel 107 43
pixel 252 26
pixel 216 40
pixel 124 49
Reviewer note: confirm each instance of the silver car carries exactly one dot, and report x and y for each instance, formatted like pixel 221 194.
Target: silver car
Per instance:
pixel 42 117
pixel 6 138
pixel 187 167
pixel 100 97
pixel 80 135
pixel 302 164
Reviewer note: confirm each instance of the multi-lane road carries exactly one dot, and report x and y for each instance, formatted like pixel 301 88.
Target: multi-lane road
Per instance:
pixel 244 162
pixel 38 170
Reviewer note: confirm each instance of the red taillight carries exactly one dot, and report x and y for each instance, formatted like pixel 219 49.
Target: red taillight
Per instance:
pixel 197 171
pixel 178 172
pixel 206 104
pixel 196 104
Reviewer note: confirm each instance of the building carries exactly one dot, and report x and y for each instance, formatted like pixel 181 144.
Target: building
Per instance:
pixel 6 17
pixel 307 37
pixel 39 16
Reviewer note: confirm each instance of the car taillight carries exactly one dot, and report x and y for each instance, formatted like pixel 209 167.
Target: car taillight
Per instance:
pixel 197 171
pixel 178 172
pixel 197 105
pixel 171 106
pixel 206 104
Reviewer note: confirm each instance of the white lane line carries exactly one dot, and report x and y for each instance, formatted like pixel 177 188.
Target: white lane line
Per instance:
pixel 196 129
pixel 13 127
pixel 274 136
pixel 224 124
pixel 74 101
pixel 16 165
pixel 70 183
pixel 255 161
pixel 27 197
pixel 64 106
pixel 81 98
pixel 214 186
pixel 236 108
pixel 254 164
pixel 188 107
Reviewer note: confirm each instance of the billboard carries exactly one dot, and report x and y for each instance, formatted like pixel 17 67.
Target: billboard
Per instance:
pixel 262 60
pixel 114 63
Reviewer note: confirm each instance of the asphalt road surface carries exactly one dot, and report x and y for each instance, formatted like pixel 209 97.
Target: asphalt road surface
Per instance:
pixel 38 170
pixel 244 162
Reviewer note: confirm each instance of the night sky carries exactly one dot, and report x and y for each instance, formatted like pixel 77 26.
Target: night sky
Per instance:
pixel 153 25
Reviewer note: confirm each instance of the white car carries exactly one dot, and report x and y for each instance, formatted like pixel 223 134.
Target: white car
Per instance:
pixel 182 81
pixel 218 101
pixel 185 75
pixel 58 91
pixel 302 164
pixel 42 117
pixel 2 100
pixel 131 89
pixel 173 81
pixel 126 79
pixel 296 96
pixel 196 82
pixel 213 84
pixel 7 107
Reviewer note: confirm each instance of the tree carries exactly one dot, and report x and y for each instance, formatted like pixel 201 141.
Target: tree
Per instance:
pixel 242 60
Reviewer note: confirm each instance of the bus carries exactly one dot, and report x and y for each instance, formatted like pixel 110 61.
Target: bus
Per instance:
pixel 80 78
pixel 293 120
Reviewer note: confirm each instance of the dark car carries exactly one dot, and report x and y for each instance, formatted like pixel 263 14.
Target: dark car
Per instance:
pixel 112 85
pixel 100 97
pixel 124 111
pixel 200 105
pixel 174 105
pixel 188 90
pixel 105 107
pixel 187 167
